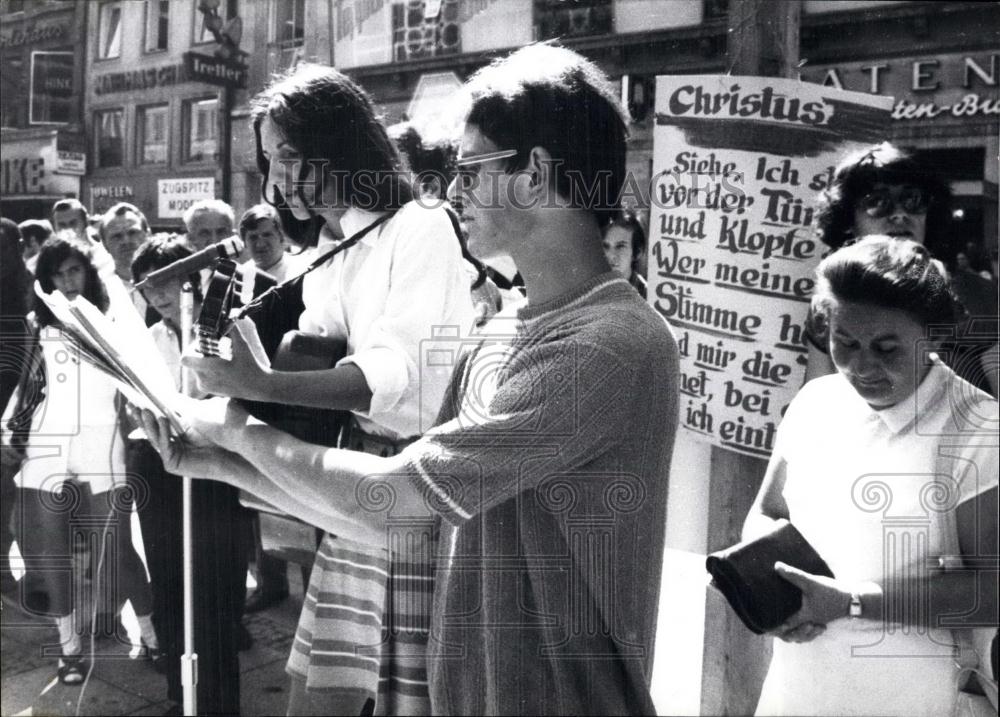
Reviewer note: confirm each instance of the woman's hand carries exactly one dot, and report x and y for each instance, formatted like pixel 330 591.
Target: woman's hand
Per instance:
pixel 245 375
pixel 823 601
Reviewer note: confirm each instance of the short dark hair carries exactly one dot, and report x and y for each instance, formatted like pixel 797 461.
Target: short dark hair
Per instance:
pixel 329 119
pixel 158 251
pixel 38 230
pixel 629 220
pixel 890 273
pixel 548 96
pixel 256 214
pixel 71 204
pixel 120 209
pixel 14 277
pixel 430 163
pixel 57 249
pixel 859 172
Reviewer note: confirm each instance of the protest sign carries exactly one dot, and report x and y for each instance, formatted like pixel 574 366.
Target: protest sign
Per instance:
pixel 737 165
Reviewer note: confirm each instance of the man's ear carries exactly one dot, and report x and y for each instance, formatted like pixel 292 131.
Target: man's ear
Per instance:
pixel 541 169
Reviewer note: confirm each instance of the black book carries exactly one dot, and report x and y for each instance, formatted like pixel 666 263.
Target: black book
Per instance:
pixel 745 574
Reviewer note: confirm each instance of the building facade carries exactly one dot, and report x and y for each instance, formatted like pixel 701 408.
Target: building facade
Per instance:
pixel 155 131
pixel 144 130
pixel 939 61
pixel 42 147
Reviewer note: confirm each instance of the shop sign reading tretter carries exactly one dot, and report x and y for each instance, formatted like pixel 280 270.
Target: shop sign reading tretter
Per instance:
pixel 926 88
pixel 215 71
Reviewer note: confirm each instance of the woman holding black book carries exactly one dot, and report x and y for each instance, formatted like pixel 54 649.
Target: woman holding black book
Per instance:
pixel 888 468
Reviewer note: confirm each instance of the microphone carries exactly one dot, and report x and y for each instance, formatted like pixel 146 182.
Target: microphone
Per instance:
pixel 226 249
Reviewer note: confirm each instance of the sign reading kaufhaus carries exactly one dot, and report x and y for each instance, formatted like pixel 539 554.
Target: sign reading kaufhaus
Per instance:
pixel 195 68
pixel 132 80
pixel 933 88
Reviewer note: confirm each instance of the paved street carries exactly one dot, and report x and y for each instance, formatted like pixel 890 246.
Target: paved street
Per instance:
pixel 123 686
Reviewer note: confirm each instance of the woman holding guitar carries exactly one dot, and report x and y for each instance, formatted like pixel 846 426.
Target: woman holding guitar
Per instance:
pixel 333 173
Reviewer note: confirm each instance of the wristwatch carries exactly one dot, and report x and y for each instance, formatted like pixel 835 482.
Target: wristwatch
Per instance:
pixel 854 609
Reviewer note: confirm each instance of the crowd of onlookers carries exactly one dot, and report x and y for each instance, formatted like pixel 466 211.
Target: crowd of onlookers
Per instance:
pixel 74 453
pixel 102 259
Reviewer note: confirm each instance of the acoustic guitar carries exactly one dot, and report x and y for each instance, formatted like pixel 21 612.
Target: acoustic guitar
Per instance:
pixel 275 315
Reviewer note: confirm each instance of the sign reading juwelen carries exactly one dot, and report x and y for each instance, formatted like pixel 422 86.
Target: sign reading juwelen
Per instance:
pixel 738 162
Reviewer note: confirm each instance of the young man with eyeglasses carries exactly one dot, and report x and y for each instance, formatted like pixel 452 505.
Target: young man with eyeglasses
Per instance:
pixel 547 470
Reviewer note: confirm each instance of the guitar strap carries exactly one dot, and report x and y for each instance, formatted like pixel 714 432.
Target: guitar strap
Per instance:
pixel 342 246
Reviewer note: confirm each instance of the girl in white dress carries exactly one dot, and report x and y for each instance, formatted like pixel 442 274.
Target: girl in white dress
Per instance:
pixel 73 479
pixel 889 469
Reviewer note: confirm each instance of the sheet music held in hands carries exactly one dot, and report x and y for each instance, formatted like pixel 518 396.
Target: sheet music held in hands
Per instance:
pixel 133 362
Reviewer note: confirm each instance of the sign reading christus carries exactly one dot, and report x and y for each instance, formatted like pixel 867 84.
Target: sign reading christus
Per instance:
pixel 215 71
pixel 737 164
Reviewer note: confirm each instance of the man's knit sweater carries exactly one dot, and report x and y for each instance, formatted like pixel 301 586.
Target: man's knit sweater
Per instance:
pixel 549 468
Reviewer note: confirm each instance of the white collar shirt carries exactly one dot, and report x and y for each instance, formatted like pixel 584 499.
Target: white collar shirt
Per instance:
pixel 403 284
pixel 285 268
pixel 850 469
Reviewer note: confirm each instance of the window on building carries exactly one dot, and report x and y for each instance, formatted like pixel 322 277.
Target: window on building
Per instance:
pixel 11 6
pixel 53 92
pixel 555 18
pixel 201 33
pixel 109 30
pixel 716 9
pixel 201 130
pixel 425 29
pixel 109 138
pixel 13 75
pixel 289 21
pixel 157 24
pixel 152 134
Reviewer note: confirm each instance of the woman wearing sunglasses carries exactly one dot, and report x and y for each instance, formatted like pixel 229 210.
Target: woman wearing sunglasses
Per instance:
pixel 882 190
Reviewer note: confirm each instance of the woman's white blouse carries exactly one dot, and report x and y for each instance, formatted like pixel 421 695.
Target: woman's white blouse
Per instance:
pixel 75 429
pixel 875 493
pixel 390 295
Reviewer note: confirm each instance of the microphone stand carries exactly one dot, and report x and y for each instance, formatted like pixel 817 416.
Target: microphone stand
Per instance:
pixel 189 660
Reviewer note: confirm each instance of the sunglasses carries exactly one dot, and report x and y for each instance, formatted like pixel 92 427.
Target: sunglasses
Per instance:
pixel 881 202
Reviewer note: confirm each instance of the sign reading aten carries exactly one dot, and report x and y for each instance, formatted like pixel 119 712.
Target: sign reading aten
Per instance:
pixel 737 164
pixel 174 196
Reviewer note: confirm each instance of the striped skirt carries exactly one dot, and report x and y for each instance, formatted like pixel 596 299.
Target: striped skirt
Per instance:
pixel 365 620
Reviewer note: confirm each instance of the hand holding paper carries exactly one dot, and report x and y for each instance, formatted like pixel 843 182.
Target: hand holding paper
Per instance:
pixel 189 453
pixel 128 356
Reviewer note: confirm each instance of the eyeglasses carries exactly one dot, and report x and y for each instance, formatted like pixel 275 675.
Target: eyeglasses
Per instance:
pixel 881 202
pixel 466 166
pixel 474 159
